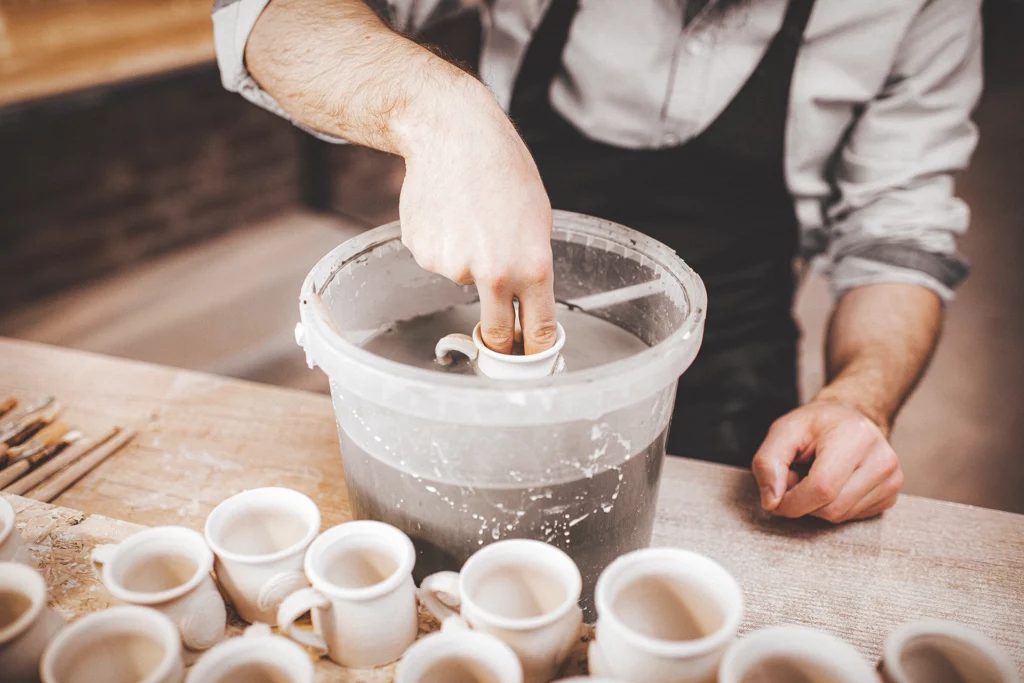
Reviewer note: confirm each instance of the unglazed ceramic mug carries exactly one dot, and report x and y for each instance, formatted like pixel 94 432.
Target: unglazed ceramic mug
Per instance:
pixel 664 615
pixel 167 568
pixel 26 623
pixel 506 366
pixel 256 656
pixel 458 654
pixel 363 598
pixel 935 651
pixel 259 538
pixel 784 654
pixel 524 592
pixel 127 644
pixel 10 539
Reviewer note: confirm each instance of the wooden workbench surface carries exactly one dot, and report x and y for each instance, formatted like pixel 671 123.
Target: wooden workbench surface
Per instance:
pixel 203 438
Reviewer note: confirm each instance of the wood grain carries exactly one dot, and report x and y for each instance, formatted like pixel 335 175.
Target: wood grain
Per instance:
pixel 203 438
pixel 52 48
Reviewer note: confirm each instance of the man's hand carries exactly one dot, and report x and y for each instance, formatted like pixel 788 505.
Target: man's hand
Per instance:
pixel 473 207
pixel 854 472
pixel 880 339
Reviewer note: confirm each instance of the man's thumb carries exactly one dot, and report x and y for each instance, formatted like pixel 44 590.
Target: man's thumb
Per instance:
pixel 784 442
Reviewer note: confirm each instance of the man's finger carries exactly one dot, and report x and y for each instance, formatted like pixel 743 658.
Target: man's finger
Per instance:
pixel 880 499
pixel 873 471
pixel 537 317
pixel 786 440
pixel 837 454
pixel 497 319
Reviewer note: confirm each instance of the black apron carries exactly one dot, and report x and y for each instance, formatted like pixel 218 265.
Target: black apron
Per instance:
pixel 721 202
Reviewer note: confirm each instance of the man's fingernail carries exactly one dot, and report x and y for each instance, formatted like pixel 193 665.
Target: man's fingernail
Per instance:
pixel 767 497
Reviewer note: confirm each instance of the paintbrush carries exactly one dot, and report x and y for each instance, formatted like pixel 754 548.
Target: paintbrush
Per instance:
pixel 31 423
pixel 27 461
pixel 41 440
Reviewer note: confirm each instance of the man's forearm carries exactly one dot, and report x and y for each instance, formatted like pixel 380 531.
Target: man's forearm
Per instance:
pixel 336 67
pixel 880 340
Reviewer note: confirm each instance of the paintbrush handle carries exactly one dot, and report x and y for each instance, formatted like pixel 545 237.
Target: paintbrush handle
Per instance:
pixel 67 457
pixel 66 479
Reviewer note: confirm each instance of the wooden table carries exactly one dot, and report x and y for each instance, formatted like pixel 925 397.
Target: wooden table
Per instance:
pixel 203 438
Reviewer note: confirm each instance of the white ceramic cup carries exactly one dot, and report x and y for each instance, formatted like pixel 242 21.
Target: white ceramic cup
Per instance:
pixel 524 592
pixel 256 656
pixel 26 623
pixel 363 598
pixel 785 654
pixel 934 651
pixel 506 366
pixel 167 568
pixel 259 538
pixel 664 615
pixel 10 539
pixel 458 655
pixel 127 644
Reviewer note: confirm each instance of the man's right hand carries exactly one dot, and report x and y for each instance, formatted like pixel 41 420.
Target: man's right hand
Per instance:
pixel 473 207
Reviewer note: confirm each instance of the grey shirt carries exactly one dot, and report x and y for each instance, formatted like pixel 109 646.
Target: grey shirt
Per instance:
pixel 879 107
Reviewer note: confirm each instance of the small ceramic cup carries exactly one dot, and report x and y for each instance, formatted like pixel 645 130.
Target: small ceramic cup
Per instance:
pixel 259 538
pixel 167 568
pixel 458 654
pixel 934 651
pixel 363 598
pixel 257 656
pixel 524 592
pixel 664 614
pixel 26 623
pixel 793 653
pixel 506 366
pixel 10 539
pixel 125 644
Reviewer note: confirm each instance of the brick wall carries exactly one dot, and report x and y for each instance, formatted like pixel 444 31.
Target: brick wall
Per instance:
pixel 92 182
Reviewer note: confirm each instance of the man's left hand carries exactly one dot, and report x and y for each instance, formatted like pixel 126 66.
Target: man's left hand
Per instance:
pixel 854 472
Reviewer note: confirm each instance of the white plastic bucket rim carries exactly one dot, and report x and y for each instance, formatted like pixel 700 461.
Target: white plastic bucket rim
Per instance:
pixel 580 395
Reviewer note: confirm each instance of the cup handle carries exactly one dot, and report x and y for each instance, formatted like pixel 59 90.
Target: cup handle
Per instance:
pixel 101 555
pixel 441 582
pixel 293 607
pixel 275 589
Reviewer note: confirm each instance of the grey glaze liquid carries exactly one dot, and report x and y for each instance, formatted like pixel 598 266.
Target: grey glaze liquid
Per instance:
pixel 595 516
pixel 589 341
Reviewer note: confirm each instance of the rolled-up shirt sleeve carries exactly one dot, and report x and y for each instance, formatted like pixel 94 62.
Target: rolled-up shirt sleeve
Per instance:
pixel 233 21
pixel 896 218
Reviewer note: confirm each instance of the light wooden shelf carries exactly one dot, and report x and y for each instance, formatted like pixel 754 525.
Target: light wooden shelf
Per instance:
pixel 51 48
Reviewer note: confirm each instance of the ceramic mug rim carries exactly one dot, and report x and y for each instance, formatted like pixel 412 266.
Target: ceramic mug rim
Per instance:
pixel 898 640
pixel 203 566
pixel 8 518
pixel 575 583
pixel 456 643
pixel 682 559
pixel 244 643
pixel 34 591
pixel 509 359
pixel 228 505
pixel 798 642
pixel 398 542
pixel 163 628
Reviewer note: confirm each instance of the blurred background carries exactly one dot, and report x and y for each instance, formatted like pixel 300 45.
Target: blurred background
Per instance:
pixel 146 213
